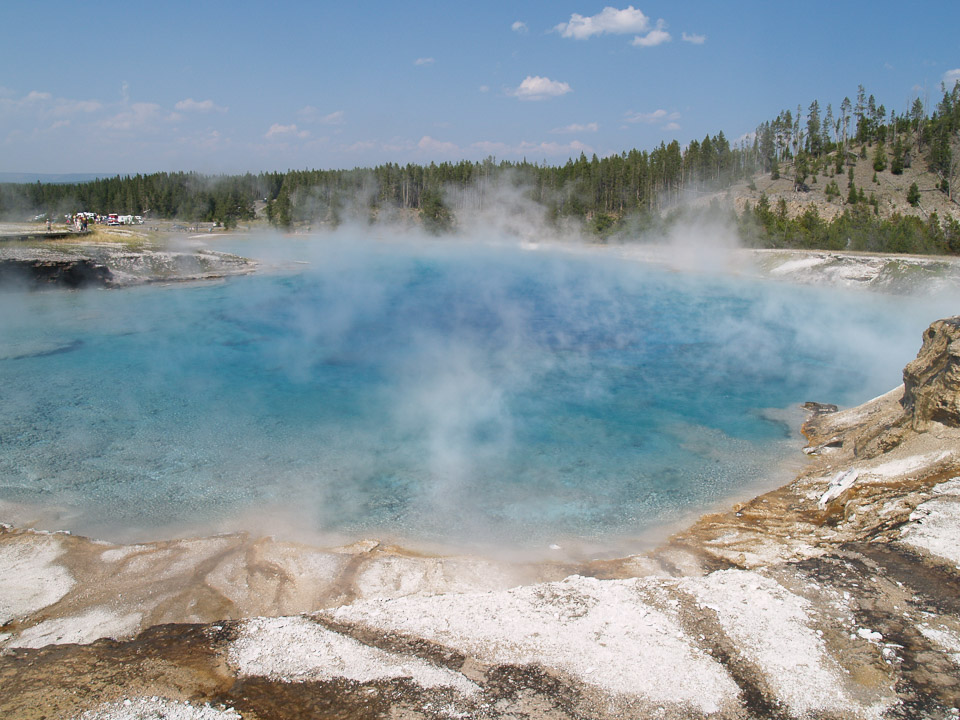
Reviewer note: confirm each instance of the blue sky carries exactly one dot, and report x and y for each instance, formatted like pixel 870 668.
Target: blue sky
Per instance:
pixel 126 87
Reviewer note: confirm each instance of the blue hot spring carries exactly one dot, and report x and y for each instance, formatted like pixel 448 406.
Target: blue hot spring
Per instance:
pixel 446 395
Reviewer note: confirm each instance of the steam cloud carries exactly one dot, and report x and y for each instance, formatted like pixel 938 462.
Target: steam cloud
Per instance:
pixel 506 384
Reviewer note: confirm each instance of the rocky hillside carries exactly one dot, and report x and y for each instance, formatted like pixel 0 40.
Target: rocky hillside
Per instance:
pixel 890 190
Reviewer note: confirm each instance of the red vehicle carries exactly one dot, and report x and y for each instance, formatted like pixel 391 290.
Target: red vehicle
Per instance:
pixel 113 219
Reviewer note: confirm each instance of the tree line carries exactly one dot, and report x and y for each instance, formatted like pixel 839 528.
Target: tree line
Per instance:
pixel 602 193
pixel 857 228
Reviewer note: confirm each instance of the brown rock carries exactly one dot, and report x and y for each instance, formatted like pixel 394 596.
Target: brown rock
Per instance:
pixel 932 381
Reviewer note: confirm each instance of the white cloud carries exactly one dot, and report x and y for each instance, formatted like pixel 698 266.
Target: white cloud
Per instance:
pixel 437 147
pixel 281 131
pixel 550 148
pixel 396 145
pixel 519 27
pixel 43 104
pixel 139 116
pixel 575 128
pixel 609 20
pixel 652 118
pixel 672 126
pixel 211 141
pixel 491 148
pixel 206 142
pixel 202 106
pixel 361 145
pixel 693 38
pixel 535 87
pixel 72 107
pixel 484 88
pixel 950 77
pixel 655 37
pixel 527 148
pixel 34 97
pixel 423 61
pixel 311 114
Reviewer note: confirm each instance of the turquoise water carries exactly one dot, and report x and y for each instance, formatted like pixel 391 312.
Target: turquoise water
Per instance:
pixel 458 395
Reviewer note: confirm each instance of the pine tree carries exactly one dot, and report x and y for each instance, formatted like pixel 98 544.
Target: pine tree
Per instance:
pixel 762 210
pixel 437 218
pixel 797 133
pixel 913 195
pixel 916 120
pixel 801 169
pixel 767 147
pixel 828 126
pixel 852 195
pixel 280 212
pixel 813 129
pixel 871 115
pixel 858 113
pixel 896 163
pixel 845 121
pixel 879 126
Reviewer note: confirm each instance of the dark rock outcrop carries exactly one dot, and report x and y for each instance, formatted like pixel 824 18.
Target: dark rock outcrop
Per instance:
pixel 73 273
pixel 816 408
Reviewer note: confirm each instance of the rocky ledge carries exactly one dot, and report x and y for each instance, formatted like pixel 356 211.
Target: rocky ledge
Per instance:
pixel 68 272
pixel 837 596
pixel 891 274
pixel 90 264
